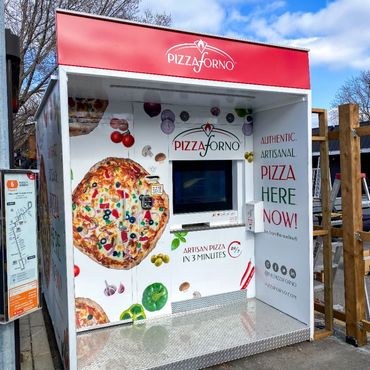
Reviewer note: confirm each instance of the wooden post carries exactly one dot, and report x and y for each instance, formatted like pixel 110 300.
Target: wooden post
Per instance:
pixel 350 167
pixel 326 220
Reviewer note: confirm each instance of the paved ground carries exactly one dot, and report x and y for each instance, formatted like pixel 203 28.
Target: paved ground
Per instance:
pixel 35 349
pixel 331 353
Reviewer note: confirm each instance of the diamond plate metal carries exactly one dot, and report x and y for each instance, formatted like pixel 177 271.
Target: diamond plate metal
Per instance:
pixel 206 302
pixel 192 340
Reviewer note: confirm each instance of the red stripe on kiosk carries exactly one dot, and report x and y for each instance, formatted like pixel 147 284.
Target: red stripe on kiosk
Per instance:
pixel 122 46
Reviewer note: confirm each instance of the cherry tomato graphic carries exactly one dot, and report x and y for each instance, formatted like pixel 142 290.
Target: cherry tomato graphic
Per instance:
pixel 116 137
pixel 128 140
pixel 76 270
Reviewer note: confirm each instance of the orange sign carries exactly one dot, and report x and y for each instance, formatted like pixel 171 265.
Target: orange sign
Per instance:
pixel 23 299
pixel 12 184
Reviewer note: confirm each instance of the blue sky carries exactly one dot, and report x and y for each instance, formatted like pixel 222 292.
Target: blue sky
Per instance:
pixel 337 32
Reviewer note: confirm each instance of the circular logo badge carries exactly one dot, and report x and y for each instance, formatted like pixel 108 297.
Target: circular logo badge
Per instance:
pixel 292 273
pixel 283 270
pixel 268 264
pixel 275 267
pixel 234 249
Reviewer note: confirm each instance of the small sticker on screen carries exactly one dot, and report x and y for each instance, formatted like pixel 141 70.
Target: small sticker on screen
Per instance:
pixel 157 189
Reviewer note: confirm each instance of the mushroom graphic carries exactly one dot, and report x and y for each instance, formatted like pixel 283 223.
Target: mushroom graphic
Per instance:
pixel 147 151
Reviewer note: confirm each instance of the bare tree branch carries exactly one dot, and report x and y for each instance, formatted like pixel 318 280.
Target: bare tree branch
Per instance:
pixel 34 22
pixel 356 90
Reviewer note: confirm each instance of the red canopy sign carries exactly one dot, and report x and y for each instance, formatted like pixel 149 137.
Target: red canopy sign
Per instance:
pixel 92 42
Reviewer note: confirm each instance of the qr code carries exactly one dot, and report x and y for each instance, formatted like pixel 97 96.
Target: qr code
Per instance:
pixel 157 189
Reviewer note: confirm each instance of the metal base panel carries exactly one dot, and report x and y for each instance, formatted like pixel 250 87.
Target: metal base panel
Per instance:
pixel 193 340
pixel 213 301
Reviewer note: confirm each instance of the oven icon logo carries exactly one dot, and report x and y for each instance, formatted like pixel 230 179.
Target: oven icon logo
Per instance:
pixel 200 55
pixel 201 45
pixel 207 128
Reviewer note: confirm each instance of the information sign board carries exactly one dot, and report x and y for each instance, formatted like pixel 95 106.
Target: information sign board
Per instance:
pixel 19 211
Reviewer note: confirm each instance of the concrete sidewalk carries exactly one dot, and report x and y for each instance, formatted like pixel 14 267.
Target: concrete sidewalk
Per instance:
pixel 35 349
pixel 39 352
pixel 332 353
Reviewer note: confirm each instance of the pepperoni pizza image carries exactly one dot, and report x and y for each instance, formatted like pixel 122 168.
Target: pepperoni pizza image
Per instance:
pixel 119 213
pixel 85 114
pixel 89 313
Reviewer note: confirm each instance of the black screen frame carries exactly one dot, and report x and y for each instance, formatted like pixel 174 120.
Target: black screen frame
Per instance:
pixel 202 165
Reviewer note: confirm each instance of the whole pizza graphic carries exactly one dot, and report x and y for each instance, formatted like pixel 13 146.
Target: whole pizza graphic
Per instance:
pixel 119 213
pixel 89 313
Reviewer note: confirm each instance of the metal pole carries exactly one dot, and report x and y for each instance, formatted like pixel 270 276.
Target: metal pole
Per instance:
pixel 10 113
pixel 4 134
pixel 7 341
pixel 12 56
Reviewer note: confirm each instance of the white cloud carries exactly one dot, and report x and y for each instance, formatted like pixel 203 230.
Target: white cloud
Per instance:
pixel 209 16
pixel 337 35
pixel 191 15
pixel 236 16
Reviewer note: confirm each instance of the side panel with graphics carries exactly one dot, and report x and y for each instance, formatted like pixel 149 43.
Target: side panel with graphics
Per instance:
pixel 283 251
pixel 56 256
pixel 116 290
pixel 113 290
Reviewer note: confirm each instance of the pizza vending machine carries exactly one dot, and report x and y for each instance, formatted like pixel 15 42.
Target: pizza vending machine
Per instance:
pixel 174 196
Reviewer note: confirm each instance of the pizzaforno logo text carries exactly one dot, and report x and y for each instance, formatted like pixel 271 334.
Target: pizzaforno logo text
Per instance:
pixel 199 55
pixel 216 139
